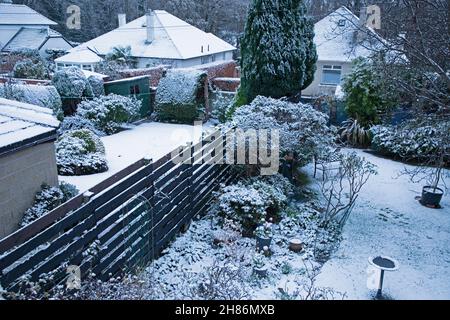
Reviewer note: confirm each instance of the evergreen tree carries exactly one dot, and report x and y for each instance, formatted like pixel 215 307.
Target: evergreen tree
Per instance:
pixel 278 50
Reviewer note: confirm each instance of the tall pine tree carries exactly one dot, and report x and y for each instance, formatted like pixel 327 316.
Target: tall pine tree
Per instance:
pixel 278 51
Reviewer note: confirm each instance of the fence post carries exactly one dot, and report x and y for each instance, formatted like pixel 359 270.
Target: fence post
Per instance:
pixel 151 201
pixel 190 169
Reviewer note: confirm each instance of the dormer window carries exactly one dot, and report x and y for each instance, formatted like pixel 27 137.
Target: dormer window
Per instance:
pixel 341 23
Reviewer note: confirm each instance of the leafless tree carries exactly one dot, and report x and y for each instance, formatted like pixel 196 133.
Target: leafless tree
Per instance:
pixel 414 44
pixel 341 190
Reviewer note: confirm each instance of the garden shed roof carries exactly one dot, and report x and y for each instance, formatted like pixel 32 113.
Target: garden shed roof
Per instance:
pixel 23 125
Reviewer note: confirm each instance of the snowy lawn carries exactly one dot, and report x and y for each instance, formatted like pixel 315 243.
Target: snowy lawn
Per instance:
pixel 123 149
pixel 388 221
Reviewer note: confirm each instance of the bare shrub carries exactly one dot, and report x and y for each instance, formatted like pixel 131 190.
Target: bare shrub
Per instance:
pixel 341 191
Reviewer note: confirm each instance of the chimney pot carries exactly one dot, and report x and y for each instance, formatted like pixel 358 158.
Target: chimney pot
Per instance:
pixel 122 19
pixel 361 33
pixel 150 16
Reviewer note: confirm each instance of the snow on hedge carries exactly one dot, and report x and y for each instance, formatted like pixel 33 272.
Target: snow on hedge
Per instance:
pixel 72 83
pixel 80 152
pixel 109 113
pixel 48 199
pixel 178 98
pixel 411 140
pixel 43 96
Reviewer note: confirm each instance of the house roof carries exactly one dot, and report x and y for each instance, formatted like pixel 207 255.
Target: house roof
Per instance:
pixel 80 55
pixel 335 42
pixel 174 39
pixel 23 125
pixel 30 38
pixel 16 14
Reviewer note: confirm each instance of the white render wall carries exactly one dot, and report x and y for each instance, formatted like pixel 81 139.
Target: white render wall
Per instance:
pixel 316 89
pixel 222 56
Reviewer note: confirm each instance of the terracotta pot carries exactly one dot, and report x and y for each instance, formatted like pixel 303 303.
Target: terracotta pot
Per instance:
pixel 295 245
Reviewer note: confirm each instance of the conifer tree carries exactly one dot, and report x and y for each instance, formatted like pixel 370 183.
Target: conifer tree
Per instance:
pixel 278 51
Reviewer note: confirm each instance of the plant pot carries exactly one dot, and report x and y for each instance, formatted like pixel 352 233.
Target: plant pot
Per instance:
pixel 295 245
pixel 262 242
pixel 431 197
pixel 261 272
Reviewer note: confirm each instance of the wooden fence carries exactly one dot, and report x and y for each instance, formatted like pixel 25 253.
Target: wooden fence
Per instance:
pixel 120 224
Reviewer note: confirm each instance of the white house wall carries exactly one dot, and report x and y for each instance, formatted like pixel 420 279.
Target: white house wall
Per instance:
pixel 187 63
pixel 316 89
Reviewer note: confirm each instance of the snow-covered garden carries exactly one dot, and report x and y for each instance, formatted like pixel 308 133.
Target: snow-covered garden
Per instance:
pixel 356 208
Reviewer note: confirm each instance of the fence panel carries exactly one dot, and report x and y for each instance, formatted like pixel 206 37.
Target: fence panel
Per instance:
pixel 126 222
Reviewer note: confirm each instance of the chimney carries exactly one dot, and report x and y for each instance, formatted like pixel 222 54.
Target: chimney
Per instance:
pixel 362 27
pixel 150 16
pixel 122 19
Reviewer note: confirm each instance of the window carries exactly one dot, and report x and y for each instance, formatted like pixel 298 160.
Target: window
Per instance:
pixel 331 75
pixel 205 59
pixel 341 23
pixel 87 67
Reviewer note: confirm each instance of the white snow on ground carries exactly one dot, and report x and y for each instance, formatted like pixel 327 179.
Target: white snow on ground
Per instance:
pixel 388 221
pixel 125 148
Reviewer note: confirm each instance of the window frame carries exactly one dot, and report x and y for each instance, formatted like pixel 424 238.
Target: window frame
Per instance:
pixel 333 69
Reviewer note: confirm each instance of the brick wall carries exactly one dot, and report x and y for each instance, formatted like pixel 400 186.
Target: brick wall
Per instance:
pixel 21 175
pixel 227 69
pixel 227 84
pixel 155 74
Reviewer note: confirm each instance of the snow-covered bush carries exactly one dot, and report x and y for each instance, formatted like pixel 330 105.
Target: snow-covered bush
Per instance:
pixel 411 141
pixel 97 85
pixel 250 202
pixel 180 96
pixel 274 196
pixel 80 152
pixel 242 203
pixel 72 83
pixel 221 103
pixel 110 68
pixel 43 96
pixel 123 56
pixel 77 122
pixel 48 199
pixel 110 112
pixel 303 130
pixel 265 230
pixel 29 69
pixel 366 92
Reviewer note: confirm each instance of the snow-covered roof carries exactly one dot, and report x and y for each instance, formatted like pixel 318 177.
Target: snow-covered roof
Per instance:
pixel 88 74
pixel 129 79
pixel 335 41
pixel 22 124
pixel 30 38
pixel 16 14
pixel 81 55
pixel 174 39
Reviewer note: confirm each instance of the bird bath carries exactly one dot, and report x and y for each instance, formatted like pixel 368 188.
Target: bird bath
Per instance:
pixel 384 264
